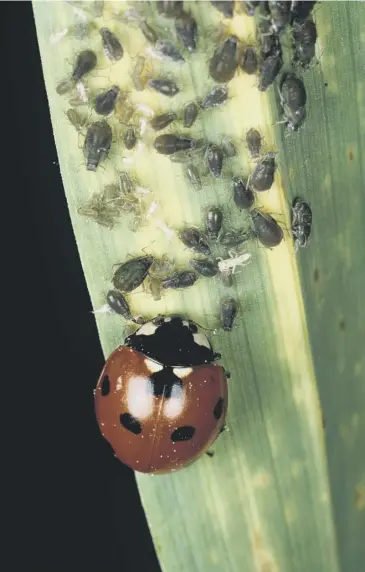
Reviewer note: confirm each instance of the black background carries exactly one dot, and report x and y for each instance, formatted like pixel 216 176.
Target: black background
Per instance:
pixel 68 504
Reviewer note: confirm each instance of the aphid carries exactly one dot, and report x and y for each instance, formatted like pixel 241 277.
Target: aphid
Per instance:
pixel 301 10
pixel 280 15
pixel 165 86
pixel 223 64
pixel 213 222
pixel 292 92
pixel 161 267
pixel 85 63
pixel 228 147
pixel 304 40
pixel 233 237
pixel 228 314
pixel 214 158
pixel 154 287
pixel 242 194
pixel 97 144
pixel 267 40
pixel 118 304
pixel 215 97
pixel 138 83
pixel 129 138
pixel 190 155
pixel 76 119
pixel 161 121
pixel 126 183
pixel 167 50
pixel 168 143
pixel 195 240
pixel 249 6
pixel 205 266
pixel 248 60
pixel 263 176
pixel 148 32
pixel 187 31
pixel 170 8
pixel 131 274
pixel 266 229
pixel 269 71
pixel 182 279
pixel 301 222
pixel 112 47
pixel 190 113
pixel 234 261
pixel 225 7
pixel 253 140
pixel 192 174
pixel 105 101
pixel 99 210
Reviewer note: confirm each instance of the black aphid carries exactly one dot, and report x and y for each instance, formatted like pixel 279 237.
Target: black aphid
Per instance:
pixel 167 49
pixel 266 229
pixel 263 176
pixel 301 222
pixel 253 140
pixel 280 15
pixel 129 138
pixel 205 266
pixel 105 101
pixel 269 71
pixel 192 174
pixel 228 314
pixel 304 40
pixel 165 86
pixel 161 121
pixel 131 274
pixel 268 41
pixel 292 92
pixel 118 304
pixel 113 49
pixel 242 194
pixel 301 10
pixel 148 32
pixel 228 147
pixel 187 31
pixel 182 279
pixel 170 8
pixel 213 222
pixel 224 6
pixel 214 157
pixel 195 240
pixel 223 64
pixel 168 143
pixel 190 113
pixel 97 144
pixel 85 63
pixel 248 60
pixel 230 238
pixel 215 97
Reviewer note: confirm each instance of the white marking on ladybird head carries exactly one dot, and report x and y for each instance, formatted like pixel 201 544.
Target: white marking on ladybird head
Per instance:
pixel 167 319
pixel 140 397
pixel 174 405
pixel 201 340
pixel 152 366
pixel 119 384
pixel 147 329
pixel 182 372
pixel 185 323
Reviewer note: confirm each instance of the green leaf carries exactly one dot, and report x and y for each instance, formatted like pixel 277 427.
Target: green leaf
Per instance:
pixel 281 493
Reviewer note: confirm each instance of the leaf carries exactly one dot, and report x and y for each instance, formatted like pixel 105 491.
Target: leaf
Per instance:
pixel 281 493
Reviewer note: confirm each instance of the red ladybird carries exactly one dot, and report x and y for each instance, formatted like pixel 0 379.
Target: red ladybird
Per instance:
pixel 160 400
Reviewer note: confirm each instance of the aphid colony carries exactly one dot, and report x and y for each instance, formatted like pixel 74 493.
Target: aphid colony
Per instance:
pixel 169 354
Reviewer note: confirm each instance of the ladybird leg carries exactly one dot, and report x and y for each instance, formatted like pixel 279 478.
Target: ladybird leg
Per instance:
pixel 227 373
pixel 210 453
pixel 158 320
pixel 224 427
pixel 216 356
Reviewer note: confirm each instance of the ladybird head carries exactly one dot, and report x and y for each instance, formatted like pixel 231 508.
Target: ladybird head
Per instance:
pixel 172 341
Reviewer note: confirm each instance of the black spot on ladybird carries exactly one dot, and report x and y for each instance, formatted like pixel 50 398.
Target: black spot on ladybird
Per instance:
pixel 105 386
pixel 218 409
pixel 183 433
pixel 130 423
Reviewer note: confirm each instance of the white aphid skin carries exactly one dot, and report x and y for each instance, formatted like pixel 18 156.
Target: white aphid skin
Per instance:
pixel 234 261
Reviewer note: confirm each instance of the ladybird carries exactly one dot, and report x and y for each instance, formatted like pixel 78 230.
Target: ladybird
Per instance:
pixel 161 401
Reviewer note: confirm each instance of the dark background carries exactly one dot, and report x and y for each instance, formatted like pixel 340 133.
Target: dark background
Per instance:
pixel 68 504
